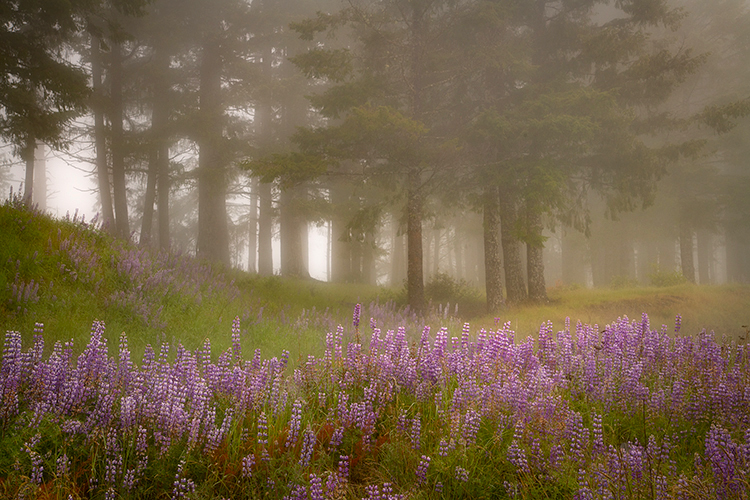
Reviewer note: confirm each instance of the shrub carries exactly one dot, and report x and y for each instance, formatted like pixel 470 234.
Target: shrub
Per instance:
pixel 444 288
pixel 665 278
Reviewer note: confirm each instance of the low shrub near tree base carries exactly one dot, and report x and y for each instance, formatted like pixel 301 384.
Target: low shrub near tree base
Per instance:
pixel 625 412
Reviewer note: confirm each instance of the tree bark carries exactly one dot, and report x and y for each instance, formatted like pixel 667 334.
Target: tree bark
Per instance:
pixel 414 270
pixel 573 255
pixel 535 256
pixel 397 256
pixel 514 283
pixel 27 155
pixel 293 259
pixel 149 199
pixel 252 229
pixel 39 196
pixel 686 250
pixel 100 137
pixel 119 186
pixel 213 231
pixel 265 229
pixel 705 256
pixel 492 250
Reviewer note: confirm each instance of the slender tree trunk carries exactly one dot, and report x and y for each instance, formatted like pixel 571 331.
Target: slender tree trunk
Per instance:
pixel 149 198
pixel 39 196
pixel 213 230
pixel 397 257
pixel 368 259
pixel 119 186
pixel 573 257
pixel 265 229
pixel 492 250
pixel 414 270
pixel 514 282
pixel 666 254
pixel 27 155
pixel 458 243
pixel 340 249
pixel 160 124
pixel 705 256
pixel 252 223
pixel 686 251
pixel 100 135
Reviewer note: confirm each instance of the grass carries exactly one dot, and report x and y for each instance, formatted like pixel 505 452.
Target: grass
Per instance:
pixel 534 402
pixel 64 274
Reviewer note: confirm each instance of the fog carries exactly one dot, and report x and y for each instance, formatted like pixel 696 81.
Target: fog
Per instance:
pixel 510 147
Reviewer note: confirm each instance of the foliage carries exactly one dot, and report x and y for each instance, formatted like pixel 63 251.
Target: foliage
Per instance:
pixel 627 411
pixel 658 277
pixel 444 289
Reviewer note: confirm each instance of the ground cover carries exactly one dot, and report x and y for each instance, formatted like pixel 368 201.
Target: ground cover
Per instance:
pixel 626 412
pixel 202 383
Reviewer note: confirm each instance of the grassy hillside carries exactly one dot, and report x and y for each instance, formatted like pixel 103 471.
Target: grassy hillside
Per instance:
pixel 66 274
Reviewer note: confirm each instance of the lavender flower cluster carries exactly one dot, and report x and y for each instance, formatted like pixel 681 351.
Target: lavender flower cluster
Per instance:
pixel 625 412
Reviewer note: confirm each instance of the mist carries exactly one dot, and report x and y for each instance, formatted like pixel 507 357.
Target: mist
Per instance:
pixel 508 148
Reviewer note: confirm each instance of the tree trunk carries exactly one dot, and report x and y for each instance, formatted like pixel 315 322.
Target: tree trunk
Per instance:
pixel 666 254
pixel 573 245
pixel 514 283
pixel 119 186
pixel 458 243
pixel 149 198
pixel 340 249
pixel 492 256
pixel 397 256
pixel 160 124
pixel 535 256
pixel 27 155
pixel 39 196
pixel 293 259
pixel 705 256
pixel 100 137
pixel 414 270
pixel 252 227
pixel 265 229
pixel 213 230
pixel 686 251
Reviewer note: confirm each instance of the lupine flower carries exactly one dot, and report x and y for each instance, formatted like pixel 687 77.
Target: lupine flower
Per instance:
pixel 421 472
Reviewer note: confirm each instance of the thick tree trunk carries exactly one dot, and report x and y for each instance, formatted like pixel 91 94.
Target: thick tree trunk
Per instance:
pixel 265 229
pixel 119 185
pixel 492 250
pixel 535 256
pixel 100 137
pixel 213 230
pixel 686 251
pixel 414 270
pixel 293 230
pixel 514 283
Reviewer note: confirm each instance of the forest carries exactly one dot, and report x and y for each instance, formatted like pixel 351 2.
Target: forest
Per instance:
pixel 511 145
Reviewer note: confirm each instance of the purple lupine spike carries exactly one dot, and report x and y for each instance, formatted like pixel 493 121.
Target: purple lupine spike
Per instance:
pixel 236 344
pixel 356 316
pixel 421 472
